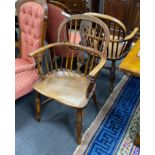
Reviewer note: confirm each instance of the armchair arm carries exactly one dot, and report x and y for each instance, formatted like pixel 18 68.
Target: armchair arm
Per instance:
pixel 132 34
pixel 38 54
pixel 44 48
pixel 92 75
pixel 127 38
pixel 95 71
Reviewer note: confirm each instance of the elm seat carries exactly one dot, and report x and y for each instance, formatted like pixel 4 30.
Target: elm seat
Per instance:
pixel 66 87
pixel 32 16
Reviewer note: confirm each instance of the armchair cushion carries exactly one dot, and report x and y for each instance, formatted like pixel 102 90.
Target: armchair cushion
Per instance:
pixel 23 65
pixel 24 82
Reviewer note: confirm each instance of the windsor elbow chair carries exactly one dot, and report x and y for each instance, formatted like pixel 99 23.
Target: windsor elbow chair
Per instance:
pixel 119 44
pixel 72 83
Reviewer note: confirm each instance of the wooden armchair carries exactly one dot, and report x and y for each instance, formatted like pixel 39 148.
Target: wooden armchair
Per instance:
pixel 119 44
pixel 71 82
pixel 32 18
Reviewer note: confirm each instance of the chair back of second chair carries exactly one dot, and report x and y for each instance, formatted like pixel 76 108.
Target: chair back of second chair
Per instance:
pixel 119 42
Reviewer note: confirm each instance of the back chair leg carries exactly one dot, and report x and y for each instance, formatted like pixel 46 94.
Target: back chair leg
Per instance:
pixel 95 100
pixel 38 106
pixel 112 76
pixel 79 125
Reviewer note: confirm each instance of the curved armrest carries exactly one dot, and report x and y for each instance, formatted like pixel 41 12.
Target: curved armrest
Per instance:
pixel 95 71
pixel 127 38
pixel 44 48
pixel 132 34
pixel 39 52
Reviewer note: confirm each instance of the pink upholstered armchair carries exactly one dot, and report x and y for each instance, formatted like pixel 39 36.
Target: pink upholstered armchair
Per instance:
pixel 32 17
pixel 55 18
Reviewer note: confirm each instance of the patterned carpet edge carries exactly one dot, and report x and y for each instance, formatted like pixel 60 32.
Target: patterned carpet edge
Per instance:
pixel 96 123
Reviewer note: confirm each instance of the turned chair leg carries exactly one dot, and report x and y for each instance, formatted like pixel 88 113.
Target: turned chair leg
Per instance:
pixel 79 125
pixel 112 76
pixel 95 100
pixel 38 106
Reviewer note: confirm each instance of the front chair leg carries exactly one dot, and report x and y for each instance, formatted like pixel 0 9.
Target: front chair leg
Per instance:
pixel 38 106
pixel 79 125
pixel 112 76
pixel 95 100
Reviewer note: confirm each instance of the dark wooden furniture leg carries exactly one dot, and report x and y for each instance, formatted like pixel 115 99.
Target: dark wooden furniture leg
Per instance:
pixel 137 140
pixel 38 106
pixel 95 100
pixel 79 125
pixel 112 76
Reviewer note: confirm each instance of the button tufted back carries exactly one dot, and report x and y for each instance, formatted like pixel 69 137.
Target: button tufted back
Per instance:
pixel 31 16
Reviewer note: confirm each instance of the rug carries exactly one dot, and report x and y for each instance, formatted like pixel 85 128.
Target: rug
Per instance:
pixel 114 129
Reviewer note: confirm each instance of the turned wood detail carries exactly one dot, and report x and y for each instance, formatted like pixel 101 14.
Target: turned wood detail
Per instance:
pixel 79 125
pixel 37 105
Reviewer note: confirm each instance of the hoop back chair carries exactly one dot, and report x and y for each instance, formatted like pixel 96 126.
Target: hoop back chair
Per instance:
pixel 119 44
pixel 72 84
pixel 32 18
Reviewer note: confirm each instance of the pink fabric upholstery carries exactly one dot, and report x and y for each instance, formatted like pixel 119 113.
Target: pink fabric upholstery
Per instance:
pixel 24 82
pixel 31 20
pixel 54 19
pixel 31 16
pixel 22 65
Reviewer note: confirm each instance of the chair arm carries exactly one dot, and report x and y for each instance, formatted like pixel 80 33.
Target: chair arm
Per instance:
pixel 132 34
pixel 95 71
pixel 39 53
pixel 92 75
pixel 127 38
